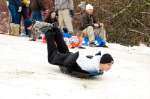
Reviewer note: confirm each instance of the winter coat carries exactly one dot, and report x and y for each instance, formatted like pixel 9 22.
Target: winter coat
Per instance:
pixel 37 5
pixel 78 62
pixel 85 64
pixel 49 5
pixel 87 20
pixel 64 4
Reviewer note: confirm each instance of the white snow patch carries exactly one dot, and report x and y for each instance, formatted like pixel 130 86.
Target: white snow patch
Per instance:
pixel 26 74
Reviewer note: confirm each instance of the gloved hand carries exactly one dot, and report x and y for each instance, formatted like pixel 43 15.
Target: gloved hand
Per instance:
pixel 72 13
pixel 98 53
pixel 19 9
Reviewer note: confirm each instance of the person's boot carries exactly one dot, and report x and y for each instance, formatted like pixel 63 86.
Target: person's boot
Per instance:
pixel 12 29
pixel 17 30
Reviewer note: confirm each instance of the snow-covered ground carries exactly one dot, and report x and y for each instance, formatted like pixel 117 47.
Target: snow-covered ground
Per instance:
pixel 26 74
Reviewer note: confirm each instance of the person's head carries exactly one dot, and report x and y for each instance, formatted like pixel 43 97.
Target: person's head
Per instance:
pixel 89 9
pixel 28 23
pixel 106 62
pixel 53 15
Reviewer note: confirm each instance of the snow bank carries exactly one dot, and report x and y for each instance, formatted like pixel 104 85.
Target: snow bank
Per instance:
pixel 26 74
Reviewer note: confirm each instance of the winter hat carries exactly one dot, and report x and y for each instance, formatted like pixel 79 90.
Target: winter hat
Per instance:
pixel 89 6
pixel 106 58
pixel 28 22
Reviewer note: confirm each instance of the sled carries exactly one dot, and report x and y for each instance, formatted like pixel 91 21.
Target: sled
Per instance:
pixel 75 73
pixel 4 17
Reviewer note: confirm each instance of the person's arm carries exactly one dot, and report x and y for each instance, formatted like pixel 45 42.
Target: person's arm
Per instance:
pixel 95 23
pixel 19 5
pixel 84 22
pixel 39 24
pixel 18 2
pixel 42 26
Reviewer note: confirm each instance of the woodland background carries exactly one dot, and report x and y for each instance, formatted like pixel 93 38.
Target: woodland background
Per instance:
pixel 127 21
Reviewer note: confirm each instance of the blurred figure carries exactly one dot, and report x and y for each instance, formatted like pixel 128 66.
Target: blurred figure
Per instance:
pixel 15 9
pixel 52 18
pixel 82 7
pixel 76 64
pixel 65 10
pixel 36 7
pixel 26 14
pixel 49 7
pixel 90 26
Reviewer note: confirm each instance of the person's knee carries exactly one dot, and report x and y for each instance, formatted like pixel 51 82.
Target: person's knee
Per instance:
pixel 90 28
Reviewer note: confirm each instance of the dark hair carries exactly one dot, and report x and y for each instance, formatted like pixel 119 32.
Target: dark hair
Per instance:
pixel 106 58
pixel 48 18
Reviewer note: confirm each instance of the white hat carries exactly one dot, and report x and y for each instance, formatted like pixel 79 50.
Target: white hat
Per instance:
pixel 89 6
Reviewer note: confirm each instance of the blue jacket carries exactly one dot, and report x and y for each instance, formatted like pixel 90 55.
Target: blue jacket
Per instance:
pixel 15 2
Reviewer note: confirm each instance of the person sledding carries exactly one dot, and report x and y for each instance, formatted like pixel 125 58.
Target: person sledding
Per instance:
pixel 93 30
pixel 79 41
pixel 76 64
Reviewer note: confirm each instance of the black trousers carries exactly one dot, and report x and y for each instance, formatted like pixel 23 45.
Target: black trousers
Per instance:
pixel 58 52
pixel 56 47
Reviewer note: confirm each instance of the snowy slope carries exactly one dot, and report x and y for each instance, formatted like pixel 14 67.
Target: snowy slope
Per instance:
pixel 26 74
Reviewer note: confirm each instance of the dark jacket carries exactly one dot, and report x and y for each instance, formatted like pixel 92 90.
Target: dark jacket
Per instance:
pixel 37 5
pixel 58 54
pixel 87 20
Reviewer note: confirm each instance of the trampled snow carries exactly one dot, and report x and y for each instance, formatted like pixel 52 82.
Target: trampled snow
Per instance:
pixel 26 74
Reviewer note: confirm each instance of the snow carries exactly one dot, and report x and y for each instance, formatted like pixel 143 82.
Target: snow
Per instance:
pixel 26 74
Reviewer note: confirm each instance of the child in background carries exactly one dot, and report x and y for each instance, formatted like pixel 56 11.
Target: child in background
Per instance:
pixel 34 26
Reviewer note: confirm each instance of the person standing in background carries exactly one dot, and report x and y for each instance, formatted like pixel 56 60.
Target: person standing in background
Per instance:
pixel 15 8
pixel 36 7
pixel 25 13
pixel 65 10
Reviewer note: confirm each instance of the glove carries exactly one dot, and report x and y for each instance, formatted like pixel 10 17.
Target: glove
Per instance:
pixel 19 9
pixel 98 53
pixel 71 13
pixel 89 56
